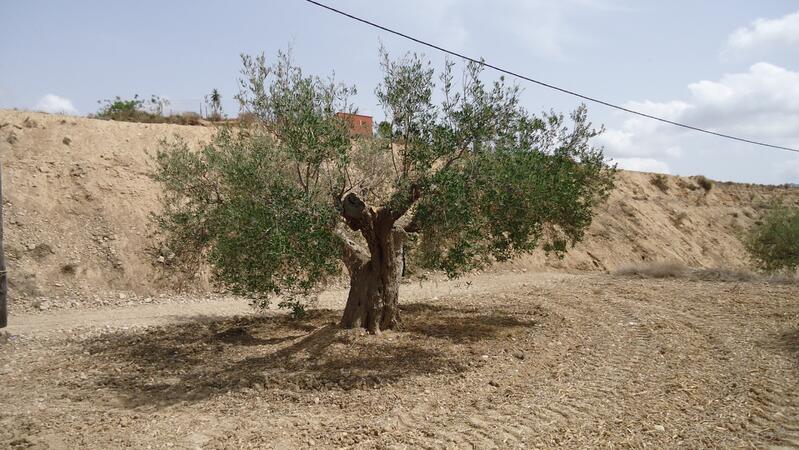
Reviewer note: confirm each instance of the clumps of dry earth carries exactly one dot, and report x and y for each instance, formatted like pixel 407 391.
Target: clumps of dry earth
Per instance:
pixel 566 361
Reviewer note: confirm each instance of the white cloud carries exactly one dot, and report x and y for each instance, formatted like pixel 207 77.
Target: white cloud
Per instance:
pixel 763 34
pixel 626 140
pixel 642 165
pixel 760 104
pixel 54 104
pixel 542 27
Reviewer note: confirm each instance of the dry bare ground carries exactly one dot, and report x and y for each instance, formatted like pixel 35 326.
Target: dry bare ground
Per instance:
pixel 507 361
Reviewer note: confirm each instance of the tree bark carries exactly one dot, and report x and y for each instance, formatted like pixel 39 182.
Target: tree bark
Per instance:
pixel 373 301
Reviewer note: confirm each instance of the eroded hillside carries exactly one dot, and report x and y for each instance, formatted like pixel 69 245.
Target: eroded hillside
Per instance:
pixel 78 195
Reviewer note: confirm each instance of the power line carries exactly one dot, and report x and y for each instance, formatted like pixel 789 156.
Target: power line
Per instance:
pixel 547 85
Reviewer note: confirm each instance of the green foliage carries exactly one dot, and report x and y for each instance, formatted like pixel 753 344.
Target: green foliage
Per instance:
pixel 384 130
pixel 773 244
pixel 214 102
pixel 120 109
pixel 473 180
pixel 235 204
pixel 295 306
pixel 300 111
pixel 142 110
pixel 503 202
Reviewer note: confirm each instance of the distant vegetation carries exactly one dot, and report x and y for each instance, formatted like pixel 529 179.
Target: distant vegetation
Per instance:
pixel 213 103
pixel 660 181
pixel 704 182
pixel 138 109
pixel 773 242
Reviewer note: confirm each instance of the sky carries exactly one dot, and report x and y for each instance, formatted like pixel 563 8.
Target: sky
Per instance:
pixel 731 66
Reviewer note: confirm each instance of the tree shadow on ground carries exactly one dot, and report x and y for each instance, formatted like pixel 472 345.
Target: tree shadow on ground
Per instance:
pixel 194 361
pixel 470 325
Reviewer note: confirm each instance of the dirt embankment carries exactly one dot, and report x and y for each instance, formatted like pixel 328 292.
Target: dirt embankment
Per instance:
pixel 77 199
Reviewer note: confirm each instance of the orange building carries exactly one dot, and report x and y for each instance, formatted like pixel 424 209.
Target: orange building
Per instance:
pixel 359 125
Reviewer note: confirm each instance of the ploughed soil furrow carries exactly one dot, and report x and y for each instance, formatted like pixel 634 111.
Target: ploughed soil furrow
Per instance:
pixel 548 362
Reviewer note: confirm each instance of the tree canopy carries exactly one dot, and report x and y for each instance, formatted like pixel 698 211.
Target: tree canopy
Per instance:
pixel 460 176
pixel 773 242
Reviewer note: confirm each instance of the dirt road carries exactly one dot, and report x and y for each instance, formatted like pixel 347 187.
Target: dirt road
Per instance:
pixel 513 360
pixel 167 311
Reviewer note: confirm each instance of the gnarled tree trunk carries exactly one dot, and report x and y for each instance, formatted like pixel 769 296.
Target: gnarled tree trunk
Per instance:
pixel 373 301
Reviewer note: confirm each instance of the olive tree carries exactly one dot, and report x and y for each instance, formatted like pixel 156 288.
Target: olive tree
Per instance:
pixel 773 243
pixel 464 177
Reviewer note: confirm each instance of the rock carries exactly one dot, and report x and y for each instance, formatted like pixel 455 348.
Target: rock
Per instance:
pixel 660 428
pixel 12 138
pixel 148 300
pixel 161 259
pixel 66 140
pixel 493 383
pixel 122 296
pixel 518 355
pixel 40 251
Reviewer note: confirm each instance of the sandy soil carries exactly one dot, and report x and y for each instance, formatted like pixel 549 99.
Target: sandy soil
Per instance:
pixel 519 360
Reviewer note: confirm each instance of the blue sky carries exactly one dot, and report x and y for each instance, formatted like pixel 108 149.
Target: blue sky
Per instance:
pixel 732 66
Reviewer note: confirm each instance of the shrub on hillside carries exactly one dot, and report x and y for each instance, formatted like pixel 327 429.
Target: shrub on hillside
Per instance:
pixel 660 181
pixel 773 242
pixel 704 182
pixel 682 183
pixel 140 110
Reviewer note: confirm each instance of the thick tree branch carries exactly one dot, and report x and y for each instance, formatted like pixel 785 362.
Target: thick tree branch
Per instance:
pixel 402 201
pixel 412 226
pixel 351 253
pixel 355 212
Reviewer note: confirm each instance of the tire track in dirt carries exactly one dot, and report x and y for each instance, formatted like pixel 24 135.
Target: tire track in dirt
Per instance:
pixel 618 344
pixel 598 370
pixel 774 391
pixel 775 414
